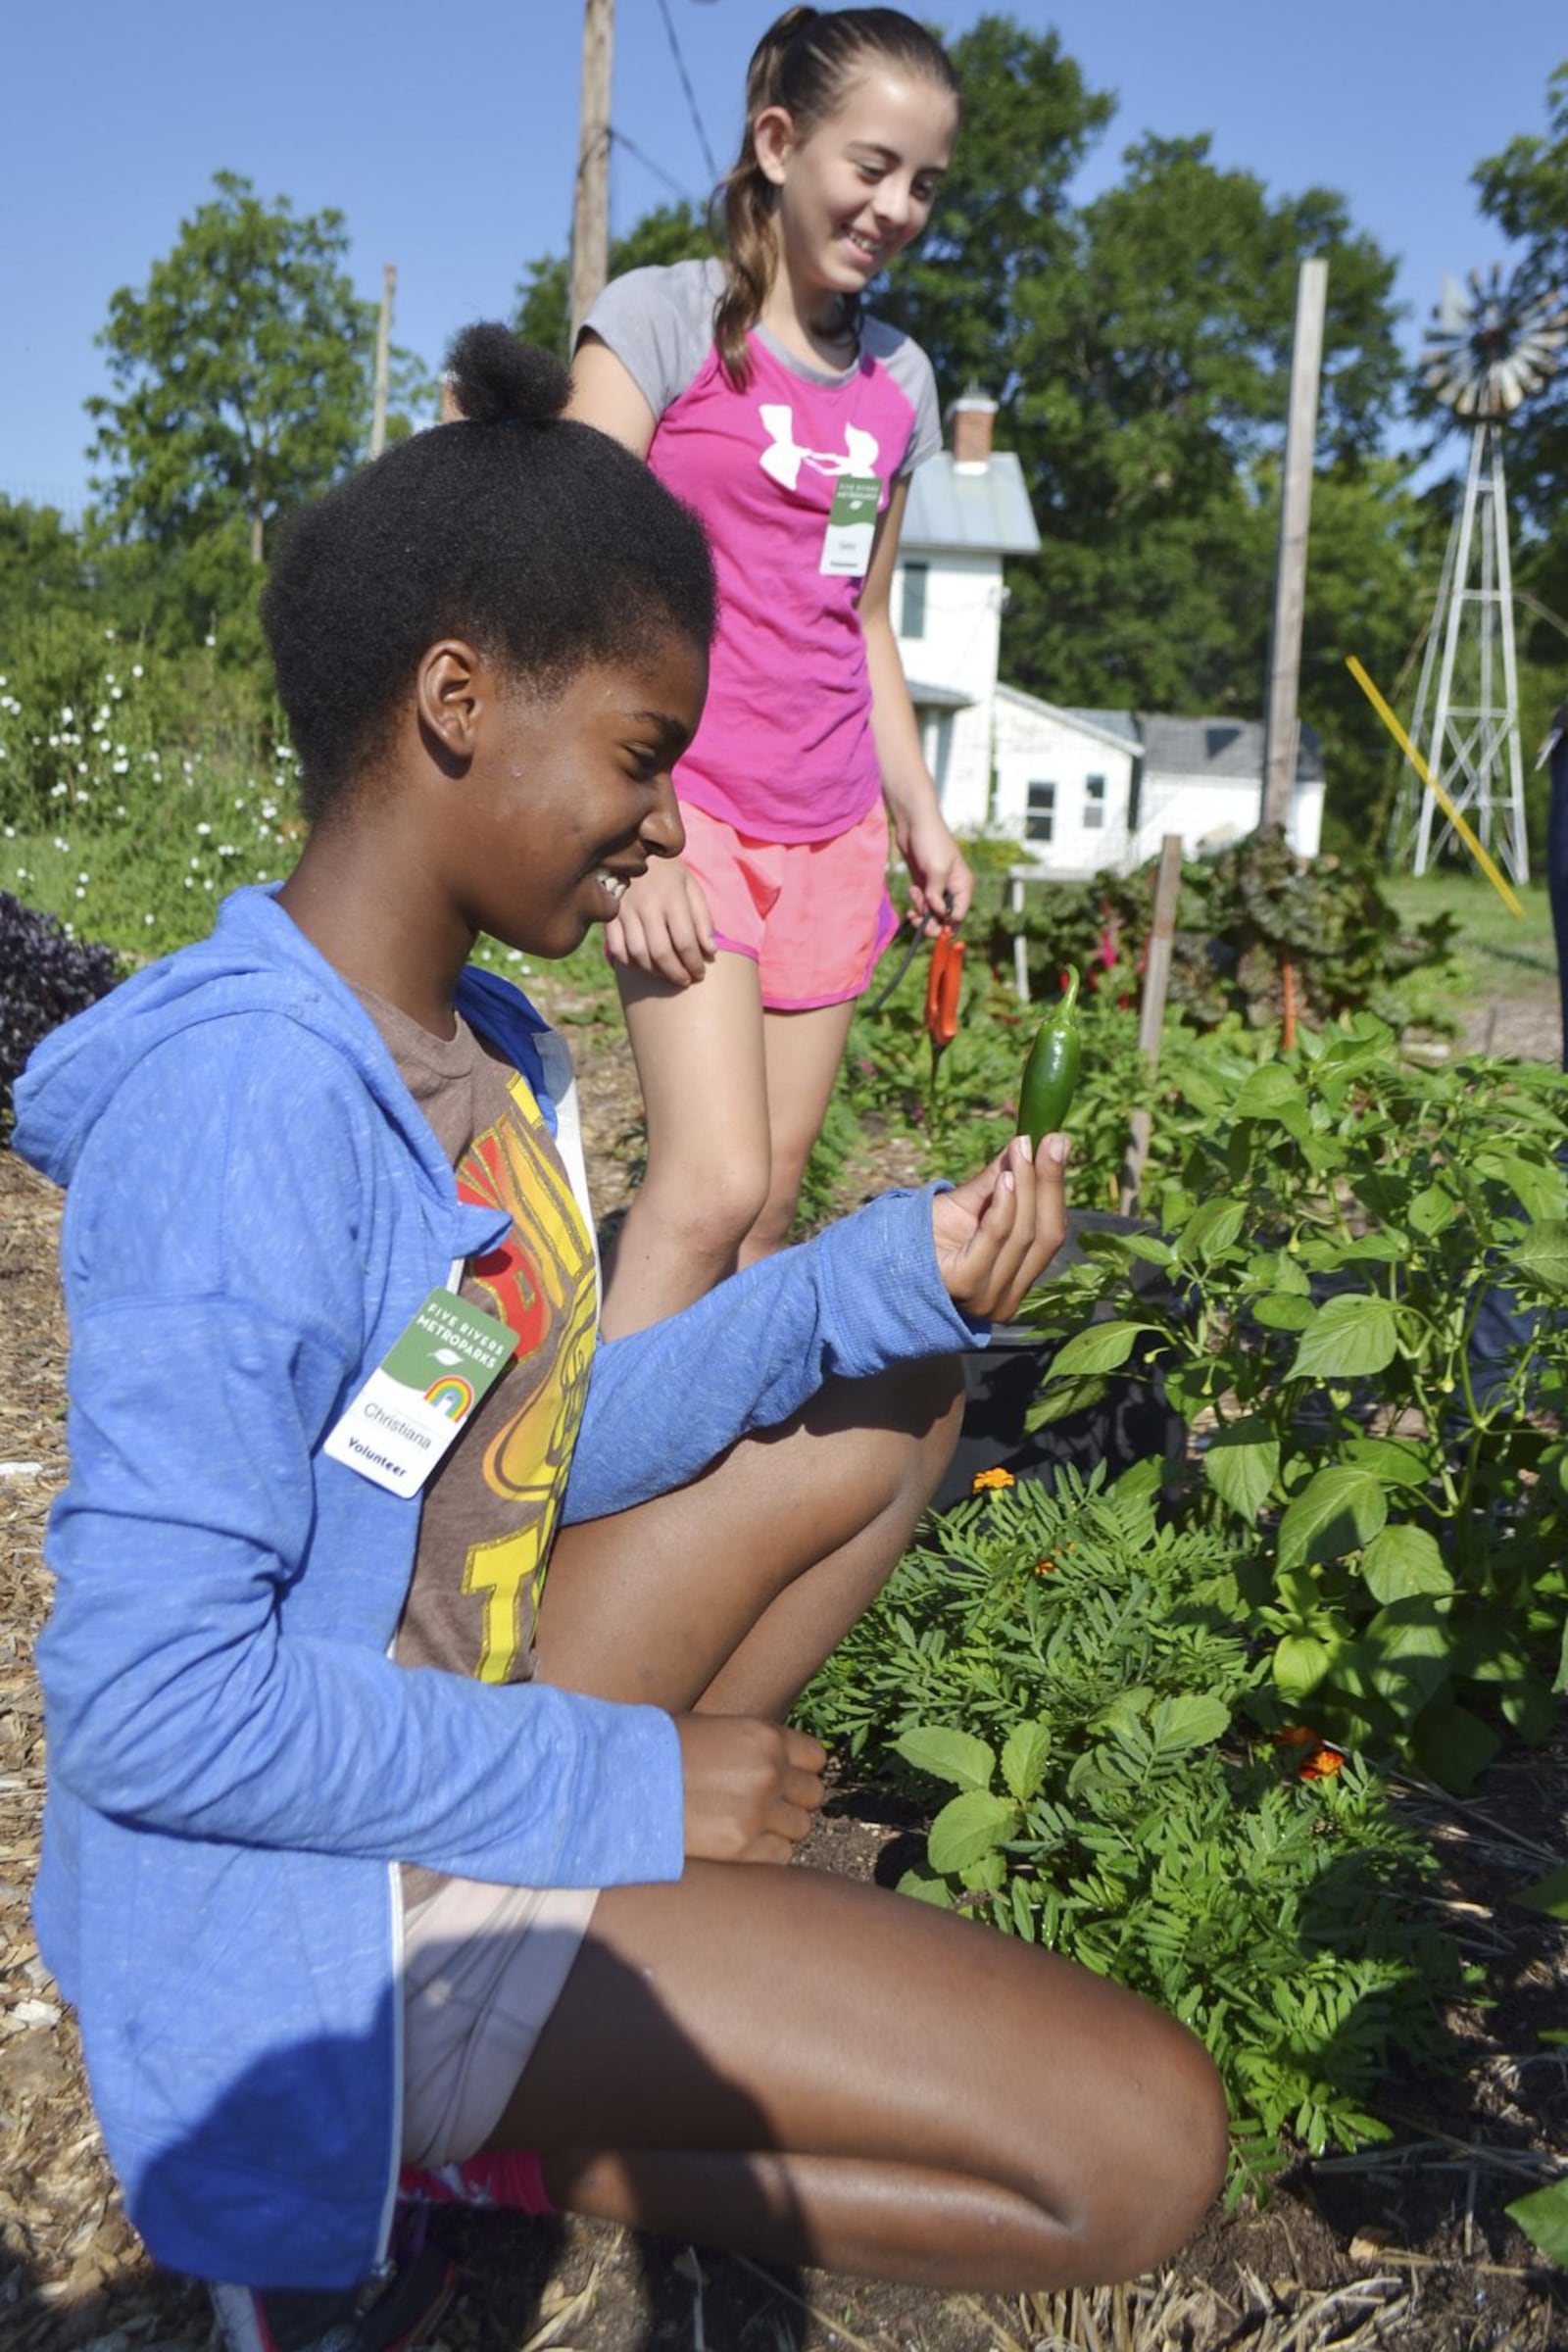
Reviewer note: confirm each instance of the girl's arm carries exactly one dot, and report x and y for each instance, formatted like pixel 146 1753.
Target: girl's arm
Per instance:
pixel 603 395
pixel 933 859
pixel 664 926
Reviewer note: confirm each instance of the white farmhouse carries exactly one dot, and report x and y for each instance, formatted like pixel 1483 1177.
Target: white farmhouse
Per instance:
pixel 1078 790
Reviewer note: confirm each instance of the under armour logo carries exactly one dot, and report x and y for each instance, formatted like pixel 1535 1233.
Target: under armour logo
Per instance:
pixel 785 456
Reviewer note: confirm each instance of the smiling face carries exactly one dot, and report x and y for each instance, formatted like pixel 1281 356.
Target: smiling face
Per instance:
pixel 568 796
pixel 860 187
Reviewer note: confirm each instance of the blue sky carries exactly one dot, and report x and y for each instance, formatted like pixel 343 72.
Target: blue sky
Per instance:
pixel 446 136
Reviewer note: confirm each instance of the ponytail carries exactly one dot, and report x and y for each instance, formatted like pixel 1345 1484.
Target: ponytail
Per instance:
pixel 802 62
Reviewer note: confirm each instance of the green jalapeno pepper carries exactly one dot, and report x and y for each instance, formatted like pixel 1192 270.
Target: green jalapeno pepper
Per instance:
pixel 1050 1073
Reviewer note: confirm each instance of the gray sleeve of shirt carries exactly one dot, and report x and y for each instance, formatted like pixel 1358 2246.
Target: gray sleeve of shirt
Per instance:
pixel 659 326
pixel 910 371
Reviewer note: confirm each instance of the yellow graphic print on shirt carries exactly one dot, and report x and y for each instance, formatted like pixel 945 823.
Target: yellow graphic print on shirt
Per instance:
pixel 539 1282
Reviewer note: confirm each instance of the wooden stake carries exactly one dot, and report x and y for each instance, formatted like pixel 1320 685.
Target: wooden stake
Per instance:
pixel 1282 727
pixel 1152 1013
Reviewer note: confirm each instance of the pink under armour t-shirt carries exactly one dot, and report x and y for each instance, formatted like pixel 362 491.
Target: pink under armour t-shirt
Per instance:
pixel 785 751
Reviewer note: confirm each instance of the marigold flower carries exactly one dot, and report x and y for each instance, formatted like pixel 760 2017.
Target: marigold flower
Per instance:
pixel 985 1478
pixel 1322 1764
pixel 1296 1734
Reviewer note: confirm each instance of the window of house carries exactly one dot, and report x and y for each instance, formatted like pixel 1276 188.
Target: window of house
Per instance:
pixel 911 613
pixel 1040 817
pixel 1093 804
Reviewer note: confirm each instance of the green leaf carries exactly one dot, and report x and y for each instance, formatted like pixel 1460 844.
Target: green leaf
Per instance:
pixel 1300 1663
pixel 1453 1746
pixel 1023 1758
pixel 1349 1336
pixel 1397 1461
pixel 1194 1718
pixel 1102 1348
pixel 927 1889
pixel 1211 1231
pixel 1542 2216
pixel 1337 1510
pixel 948 1755
pixel 1548 1895
pixel 1541 1255
pixel 1241 1465
pixel 1431 1210
pixel 968 1827
pixel 1268 1092
pixel 1401 1560
pixel 1409 1647
pixel 1284 1311
pixel 1537 1188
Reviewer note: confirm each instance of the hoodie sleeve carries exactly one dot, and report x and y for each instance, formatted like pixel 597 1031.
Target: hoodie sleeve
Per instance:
pixel 664 1403
pixel 189 1686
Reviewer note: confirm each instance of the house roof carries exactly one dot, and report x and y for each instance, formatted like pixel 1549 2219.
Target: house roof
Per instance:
pixel 1114 727
pixel 1109 722
pixel 1220 746
pixel 982 509
pixel 937 698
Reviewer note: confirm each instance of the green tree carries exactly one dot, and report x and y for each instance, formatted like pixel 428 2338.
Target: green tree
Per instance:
pixel 671 232
pixel 1525 191
pixel 43 566
pixel 241 375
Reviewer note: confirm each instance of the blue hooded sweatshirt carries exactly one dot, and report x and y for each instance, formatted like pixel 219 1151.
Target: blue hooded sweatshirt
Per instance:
pixel 256 1209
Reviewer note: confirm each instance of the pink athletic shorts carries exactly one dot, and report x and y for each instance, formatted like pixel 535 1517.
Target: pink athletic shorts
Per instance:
pixel 812 915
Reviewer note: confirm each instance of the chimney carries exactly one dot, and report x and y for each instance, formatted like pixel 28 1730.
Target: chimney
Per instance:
pixel 971 415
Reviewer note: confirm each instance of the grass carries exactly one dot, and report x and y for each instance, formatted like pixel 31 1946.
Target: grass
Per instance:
pixel 1497 953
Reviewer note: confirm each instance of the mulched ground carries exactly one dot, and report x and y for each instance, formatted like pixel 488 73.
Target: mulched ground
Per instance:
pixel 1406 2247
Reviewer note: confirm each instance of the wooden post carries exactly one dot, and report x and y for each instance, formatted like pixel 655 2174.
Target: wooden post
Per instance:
pixel 1282 727
pixel 1152 1013
pixel 590 211
pixel 383 360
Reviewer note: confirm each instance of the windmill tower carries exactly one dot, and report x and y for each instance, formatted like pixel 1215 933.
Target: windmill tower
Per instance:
pixel 1492 345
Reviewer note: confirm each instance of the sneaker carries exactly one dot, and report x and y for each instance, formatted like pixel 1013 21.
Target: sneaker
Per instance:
pixel 383 2315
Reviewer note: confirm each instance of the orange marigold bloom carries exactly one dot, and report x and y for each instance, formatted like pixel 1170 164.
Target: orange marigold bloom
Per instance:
pixel 1322 1764
pixel 983 1479
pixel 1044 1567
pixel 1296 1734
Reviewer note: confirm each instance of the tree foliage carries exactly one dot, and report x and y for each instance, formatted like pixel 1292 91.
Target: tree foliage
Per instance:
pixel 672 232
pixel 1525 191
pixel 241 373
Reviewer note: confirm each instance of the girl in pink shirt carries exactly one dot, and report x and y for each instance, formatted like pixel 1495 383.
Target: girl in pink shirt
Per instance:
pixel 763 396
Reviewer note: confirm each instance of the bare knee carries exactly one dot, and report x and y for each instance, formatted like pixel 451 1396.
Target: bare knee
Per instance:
pixel 703 1210
pixel 1155 2158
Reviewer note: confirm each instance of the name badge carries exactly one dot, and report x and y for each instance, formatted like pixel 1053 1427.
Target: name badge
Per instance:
pixel 420 1398
pixel 851 527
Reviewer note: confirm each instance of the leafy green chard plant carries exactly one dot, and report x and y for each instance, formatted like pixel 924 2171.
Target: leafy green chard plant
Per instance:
pixel 1337 1245
pixel 1070 1665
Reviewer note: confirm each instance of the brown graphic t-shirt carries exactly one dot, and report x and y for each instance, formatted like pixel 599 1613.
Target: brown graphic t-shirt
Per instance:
pixel 490 1510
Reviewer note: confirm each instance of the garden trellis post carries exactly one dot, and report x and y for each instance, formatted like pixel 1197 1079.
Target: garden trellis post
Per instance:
pixel 1151 1014
pixel 1282 723
pixel 383 360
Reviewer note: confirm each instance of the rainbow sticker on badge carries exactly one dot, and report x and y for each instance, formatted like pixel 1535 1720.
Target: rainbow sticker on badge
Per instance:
pixel 452 1396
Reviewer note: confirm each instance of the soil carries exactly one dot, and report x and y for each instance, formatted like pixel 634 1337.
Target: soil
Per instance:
pixel 1405 2245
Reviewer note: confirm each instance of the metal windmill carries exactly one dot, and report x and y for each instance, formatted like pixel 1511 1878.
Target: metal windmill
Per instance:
pixel 1490 345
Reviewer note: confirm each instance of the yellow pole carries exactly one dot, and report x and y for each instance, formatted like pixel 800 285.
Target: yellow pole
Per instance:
pixel 1501 888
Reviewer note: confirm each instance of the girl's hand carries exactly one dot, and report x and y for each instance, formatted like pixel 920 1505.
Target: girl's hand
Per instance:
pixel 663 925
pixel 751 1788
pixel 996 1234
pixel 937 866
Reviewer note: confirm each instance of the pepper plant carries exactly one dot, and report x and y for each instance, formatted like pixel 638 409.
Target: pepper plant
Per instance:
pixel 1342 1234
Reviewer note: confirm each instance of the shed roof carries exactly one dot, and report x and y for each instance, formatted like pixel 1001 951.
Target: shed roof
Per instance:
pixel 983 509
pixel 1219 747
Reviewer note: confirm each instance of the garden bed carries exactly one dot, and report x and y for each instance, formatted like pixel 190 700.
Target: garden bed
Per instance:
pixel 1408 2244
